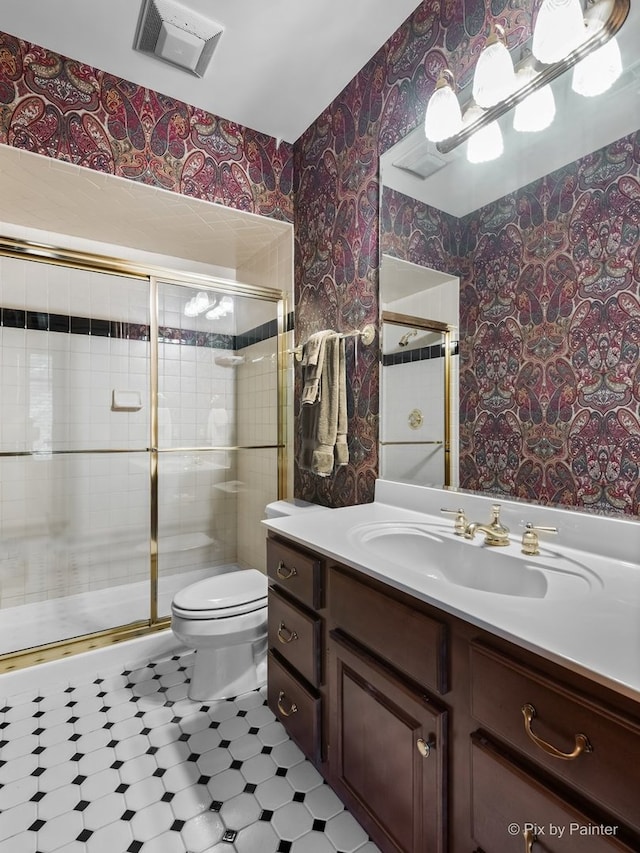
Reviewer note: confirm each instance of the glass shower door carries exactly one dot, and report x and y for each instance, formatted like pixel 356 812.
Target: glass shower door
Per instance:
pixel 74 462
pixel 217 432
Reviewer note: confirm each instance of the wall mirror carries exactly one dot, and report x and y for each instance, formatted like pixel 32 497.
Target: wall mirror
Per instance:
pixel 541 248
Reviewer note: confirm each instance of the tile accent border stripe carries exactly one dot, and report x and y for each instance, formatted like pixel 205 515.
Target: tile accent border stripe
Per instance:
pixel 420 354
pixel 13 318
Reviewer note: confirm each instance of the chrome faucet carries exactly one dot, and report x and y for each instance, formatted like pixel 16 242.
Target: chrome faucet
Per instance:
pixel 495 533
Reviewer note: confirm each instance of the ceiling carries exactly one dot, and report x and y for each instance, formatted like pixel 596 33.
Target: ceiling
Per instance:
pixel 275 68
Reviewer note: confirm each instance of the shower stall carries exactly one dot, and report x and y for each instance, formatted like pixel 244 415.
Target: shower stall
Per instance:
pixel 141 435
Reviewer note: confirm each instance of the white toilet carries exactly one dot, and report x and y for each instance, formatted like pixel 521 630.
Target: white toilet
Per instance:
pixel 224 618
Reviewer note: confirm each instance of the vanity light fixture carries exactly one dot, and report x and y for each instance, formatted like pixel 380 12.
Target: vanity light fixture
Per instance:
pixel 597 72
pixel 598 25
pixel 494 78
pixel 487 144
pixel 559 29
pixel 444 116
pixel 537 111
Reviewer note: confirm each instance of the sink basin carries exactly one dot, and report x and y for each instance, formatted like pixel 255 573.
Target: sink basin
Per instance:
pixel 432 551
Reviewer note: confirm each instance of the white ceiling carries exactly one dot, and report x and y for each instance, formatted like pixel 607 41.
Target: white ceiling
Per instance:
pixel 276 67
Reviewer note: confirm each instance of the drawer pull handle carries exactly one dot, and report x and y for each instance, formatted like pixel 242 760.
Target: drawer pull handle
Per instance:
pixel 284 573
pixel 425 747
pixel 582 741
pixel 292 706
pixel 285 635
pixel 529 840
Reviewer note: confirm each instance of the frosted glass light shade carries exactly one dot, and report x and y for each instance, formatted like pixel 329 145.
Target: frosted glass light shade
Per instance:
pixel 443 117
pixel 537 111
pixel 485 144
pixel 598 71
pixel 494 78
pixel 559 29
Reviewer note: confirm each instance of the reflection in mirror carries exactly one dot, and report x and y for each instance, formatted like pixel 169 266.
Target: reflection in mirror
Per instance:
pixel 419 375
pixel 545 245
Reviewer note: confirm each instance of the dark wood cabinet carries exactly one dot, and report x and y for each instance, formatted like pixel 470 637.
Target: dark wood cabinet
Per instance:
pixel 440 736
pixel 388 752
pixel 296 639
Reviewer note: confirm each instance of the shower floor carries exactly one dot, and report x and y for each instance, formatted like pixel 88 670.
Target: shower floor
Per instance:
pixel 126 763
pixel 57 619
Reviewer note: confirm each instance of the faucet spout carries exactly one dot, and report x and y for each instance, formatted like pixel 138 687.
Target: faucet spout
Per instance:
pixel 495 533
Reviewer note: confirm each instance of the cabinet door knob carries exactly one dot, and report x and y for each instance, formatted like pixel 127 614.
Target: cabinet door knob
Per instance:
pixel 582 741
pixel 284 573
pixel 285 635
pixel 529 840
pixel 286 712
pixel 425 747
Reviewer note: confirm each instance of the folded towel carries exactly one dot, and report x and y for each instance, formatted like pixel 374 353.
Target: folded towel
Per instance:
pixel 324 422
pixel 312 361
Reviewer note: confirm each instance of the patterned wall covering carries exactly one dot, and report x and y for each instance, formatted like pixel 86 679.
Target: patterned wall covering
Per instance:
pixel 337 208
pixel 64 109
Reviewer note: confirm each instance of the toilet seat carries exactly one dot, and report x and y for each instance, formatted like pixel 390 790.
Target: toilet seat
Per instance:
pixel 222 596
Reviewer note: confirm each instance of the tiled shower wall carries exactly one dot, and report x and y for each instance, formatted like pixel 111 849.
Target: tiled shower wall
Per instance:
pixel 419 384
pixel 80 521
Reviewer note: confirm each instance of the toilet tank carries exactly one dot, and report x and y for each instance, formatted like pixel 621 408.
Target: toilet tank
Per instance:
pixel 278 509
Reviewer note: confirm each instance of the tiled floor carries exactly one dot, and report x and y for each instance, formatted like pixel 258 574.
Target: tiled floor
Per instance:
pixel 128 764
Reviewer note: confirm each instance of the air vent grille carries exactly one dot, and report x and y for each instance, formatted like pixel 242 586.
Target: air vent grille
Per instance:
pixel 172 33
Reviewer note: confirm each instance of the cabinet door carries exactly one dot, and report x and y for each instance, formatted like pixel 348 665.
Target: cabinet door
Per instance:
pixel 387 752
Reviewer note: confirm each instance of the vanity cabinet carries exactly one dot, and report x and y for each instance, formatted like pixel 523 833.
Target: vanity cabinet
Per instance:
pixel 440 736
pixel 295 640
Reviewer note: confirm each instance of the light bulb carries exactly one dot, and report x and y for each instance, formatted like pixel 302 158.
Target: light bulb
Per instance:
pixel 598 71
pixel 486 143
pixel 559 29
pixel 538 109
pixel 443 117
pixel 494 78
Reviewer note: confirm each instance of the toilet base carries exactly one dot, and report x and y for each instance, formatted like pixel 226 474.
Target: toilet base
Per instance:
pixel 228 672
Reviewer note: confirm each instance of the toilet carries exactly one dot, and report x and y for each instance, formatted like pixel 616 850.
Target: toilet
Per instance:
pixel 224 618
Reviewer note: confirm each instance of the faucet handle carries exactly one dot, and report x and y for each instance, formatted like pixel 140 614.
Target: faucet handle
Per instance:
pixel 530 537
pixel 460 524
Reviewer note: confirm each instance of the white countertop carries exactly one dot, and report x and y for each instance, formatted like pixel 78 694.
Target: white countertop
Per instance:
pixel 596 632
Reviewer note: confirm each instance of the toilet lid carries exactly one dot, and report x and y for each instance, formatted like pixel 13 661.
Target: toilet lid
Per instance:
pixel 228 591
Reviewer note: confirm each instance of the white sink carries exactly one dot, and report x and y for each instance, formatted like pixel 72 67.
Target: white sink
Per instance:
pixel 433 551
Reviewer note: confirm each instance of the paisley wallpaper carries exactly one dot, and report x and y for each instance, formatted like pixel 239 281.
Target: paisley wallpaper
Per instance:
pixel 337 206
pixel 61 108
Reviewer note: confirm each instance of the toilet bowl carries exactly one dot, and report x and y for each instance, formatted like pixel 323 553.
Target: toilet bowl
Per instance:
pixel 224 618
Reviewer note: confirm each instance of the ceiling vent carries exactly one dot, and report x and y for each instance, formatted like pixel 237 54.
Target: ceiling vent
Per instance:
pixel 175 34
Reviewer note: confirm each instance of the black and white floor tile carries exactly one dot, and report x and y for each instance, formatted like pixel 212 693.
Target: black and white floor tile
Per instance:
pixel 128 764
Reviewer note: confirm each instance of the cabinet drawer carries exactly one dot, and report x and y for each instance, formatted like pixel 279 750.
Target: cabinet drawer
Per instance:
pixel 297 708
pixel 297 637
pixel 410 640
pixel 500 690
pixel 296 571
pixel 512 812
